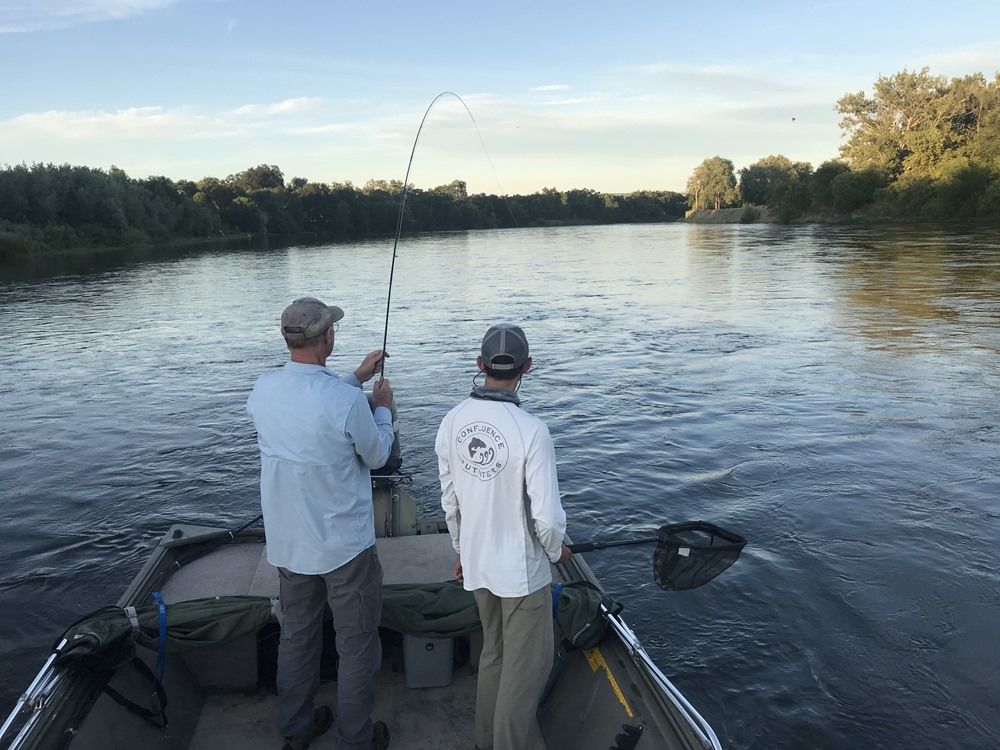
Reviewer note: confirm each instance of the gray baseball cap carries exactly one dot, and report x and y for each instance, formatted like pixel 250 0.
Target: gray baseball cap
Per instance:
pixel 505 347
pixel 307 317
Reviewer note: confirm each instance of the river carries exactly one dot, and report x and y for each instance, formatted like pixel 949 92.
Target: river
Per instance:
pixel 831 393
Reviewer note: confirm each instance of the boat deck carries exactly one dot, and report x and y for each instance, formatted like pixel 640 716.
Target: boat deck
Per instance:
pixel 430 718
pixel 222 695
pixel 439 718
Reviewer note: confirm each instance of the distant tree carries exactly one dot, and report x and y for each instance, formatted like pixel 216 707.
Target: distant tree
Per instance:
pixel 584 205
pixel 822 180
pixel 649 206
pixel 456 189
pixel 854 190
pixel 903 126
pixel 382 199
pixel 772 179
pixel 262 177
pixel 215 193
pixel 187 187
pixel 392 187
pixel 713 184
pixel 960 186
pixel 983 144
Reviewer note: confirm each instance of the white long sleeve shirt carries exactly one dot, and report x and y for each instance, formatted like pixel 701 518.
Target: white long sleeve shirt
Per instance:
pixel 318 439
pixel 500 495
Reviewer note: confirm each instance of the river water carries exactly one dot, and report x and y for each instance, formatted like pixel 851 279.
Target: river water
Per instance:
pixel 832 394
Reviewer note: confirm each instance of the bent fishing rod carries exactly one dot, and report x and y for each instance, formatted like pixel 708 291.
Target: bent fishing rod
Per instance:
pixel 402 204
pixel 399 219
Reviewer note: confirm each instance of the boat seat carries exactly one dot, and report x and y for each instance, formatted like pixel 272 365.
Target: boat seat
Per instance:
pixel 422 558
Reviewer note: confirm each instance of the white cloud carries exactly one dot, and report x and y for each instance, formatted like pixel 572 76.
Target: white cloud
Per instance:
pixel 711 80
pixel 326 129
pixel 551 87
pixel 135 123
pixel 37 15
pixel 159 123
pixel 288 106
pixel 570 102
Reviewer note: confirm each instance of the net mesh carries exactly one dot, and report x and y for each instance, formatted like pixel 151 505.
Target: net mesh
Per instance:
pixel 691 554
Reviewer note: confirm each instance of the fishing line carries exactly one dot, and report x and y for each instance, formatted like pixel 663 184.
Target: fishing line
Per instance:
pixel 406 188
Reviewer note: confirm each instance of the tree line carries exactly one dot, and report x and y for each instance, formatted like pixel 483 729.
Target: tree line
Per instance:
pixel 921 147
pixel 45 207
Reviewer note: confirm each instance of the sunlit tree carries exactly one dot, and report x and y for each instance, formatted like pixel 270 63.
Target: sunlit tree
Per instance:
pixel 713 184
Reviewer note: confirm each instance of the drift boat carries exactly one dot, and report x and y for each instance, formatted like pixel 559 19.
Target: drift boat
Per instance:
pixel 186 659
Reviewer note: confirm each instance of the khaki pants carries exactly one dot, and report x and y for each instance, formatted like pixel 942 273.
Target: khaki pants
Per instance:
pixel 518 645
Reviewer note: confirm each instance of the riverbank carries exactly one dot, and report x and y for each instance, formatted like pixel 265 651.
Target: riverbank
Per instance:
pixel 741 215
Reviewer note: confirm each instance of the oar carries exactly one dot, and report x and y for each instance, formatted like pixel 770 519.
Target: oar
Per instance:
pixel 688 554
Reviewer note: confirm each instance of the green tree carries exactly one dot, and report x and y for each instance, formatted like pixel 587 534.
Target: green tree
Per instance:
pixel 456 189
pixel 773 179
pixel 983 144
pixel 822 181
pixel 713 184
pixel 262 177
pixel 903 126
pixel 853 190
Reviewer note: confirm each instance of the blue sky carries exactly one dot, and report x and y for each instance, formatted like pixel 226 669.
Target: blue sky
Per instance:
pixel 613 96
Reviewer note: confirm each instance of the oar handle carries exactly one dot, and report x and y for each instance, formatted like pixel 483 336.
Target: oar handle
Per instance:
pixel 591 546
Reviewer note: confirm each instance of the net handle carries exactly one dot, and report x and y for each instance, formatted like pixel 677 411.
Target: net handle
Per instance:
pixel 591 546
pixel 732 539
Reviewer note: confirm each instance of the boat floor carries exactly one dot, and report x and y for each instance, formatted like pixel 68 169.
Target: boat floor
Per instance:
pixel 427 718
pixel 439 718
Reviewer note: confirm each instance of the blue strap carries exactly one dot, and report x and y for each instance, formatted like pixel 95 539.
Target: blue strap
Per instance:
pixel 555 598
pixel 161 652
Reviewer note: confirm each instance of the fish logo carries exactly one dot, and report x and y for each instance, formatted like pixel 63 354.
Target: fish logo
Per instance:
pixel 482 450
pixel 480 453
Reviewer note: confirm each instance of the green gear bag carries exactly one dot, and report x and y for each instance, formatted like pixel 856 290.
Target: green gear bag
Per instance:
pixel 578 615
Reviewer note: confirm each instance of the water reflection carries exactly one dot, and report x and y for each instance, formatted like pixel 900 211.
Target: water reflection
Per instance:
pixel 87 261
pixel 910 286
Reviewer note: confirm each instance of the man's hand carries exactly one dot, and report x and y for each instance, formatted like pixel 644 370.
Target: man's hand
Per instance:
pixel 565 555
pixel 457 572
pixel 371 365
pixel 382 394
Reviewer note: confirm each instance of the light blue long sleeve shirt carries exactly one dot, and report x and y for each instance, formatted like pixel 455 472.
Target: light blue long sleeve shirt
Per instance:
pixel 318 440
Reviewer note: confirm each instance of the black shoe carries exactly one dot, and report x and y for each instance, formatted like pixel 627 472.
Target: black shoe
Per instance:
pixel 380 736
pixel 322 721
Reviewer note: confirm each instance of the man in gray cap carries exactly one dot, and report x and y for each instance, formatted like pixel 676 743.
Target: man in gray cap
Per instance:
pixel 318 439
pixel 500 495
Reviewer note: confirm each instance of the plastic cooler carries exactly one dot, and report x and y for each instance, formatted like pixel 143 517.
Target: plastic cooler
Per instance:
pixel 427 662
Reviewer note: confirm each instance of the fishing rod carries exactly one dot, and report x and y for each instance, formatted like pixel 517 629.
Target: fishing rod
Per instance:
pixel 402 203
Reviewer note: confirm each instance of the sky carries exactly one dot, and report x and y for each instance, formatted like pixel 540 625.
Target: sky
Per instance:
pixel 510 97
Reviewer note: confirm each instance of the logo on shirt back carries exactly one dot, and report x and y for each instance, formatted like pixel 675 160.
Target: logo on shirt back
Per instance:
pixel 482 450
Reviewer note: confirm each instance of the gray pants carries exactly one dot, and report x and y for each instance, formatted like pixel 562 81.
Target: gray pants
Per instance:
pixel 518 644
pixel 354 592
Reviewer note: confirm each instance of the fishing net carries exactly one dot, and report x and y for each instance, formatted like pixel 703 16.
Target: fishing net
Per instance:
pixel 693 553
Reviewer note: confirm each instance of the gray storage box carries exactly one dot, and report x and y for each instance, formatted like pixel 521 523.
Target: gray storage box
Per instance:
pixel 427 662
